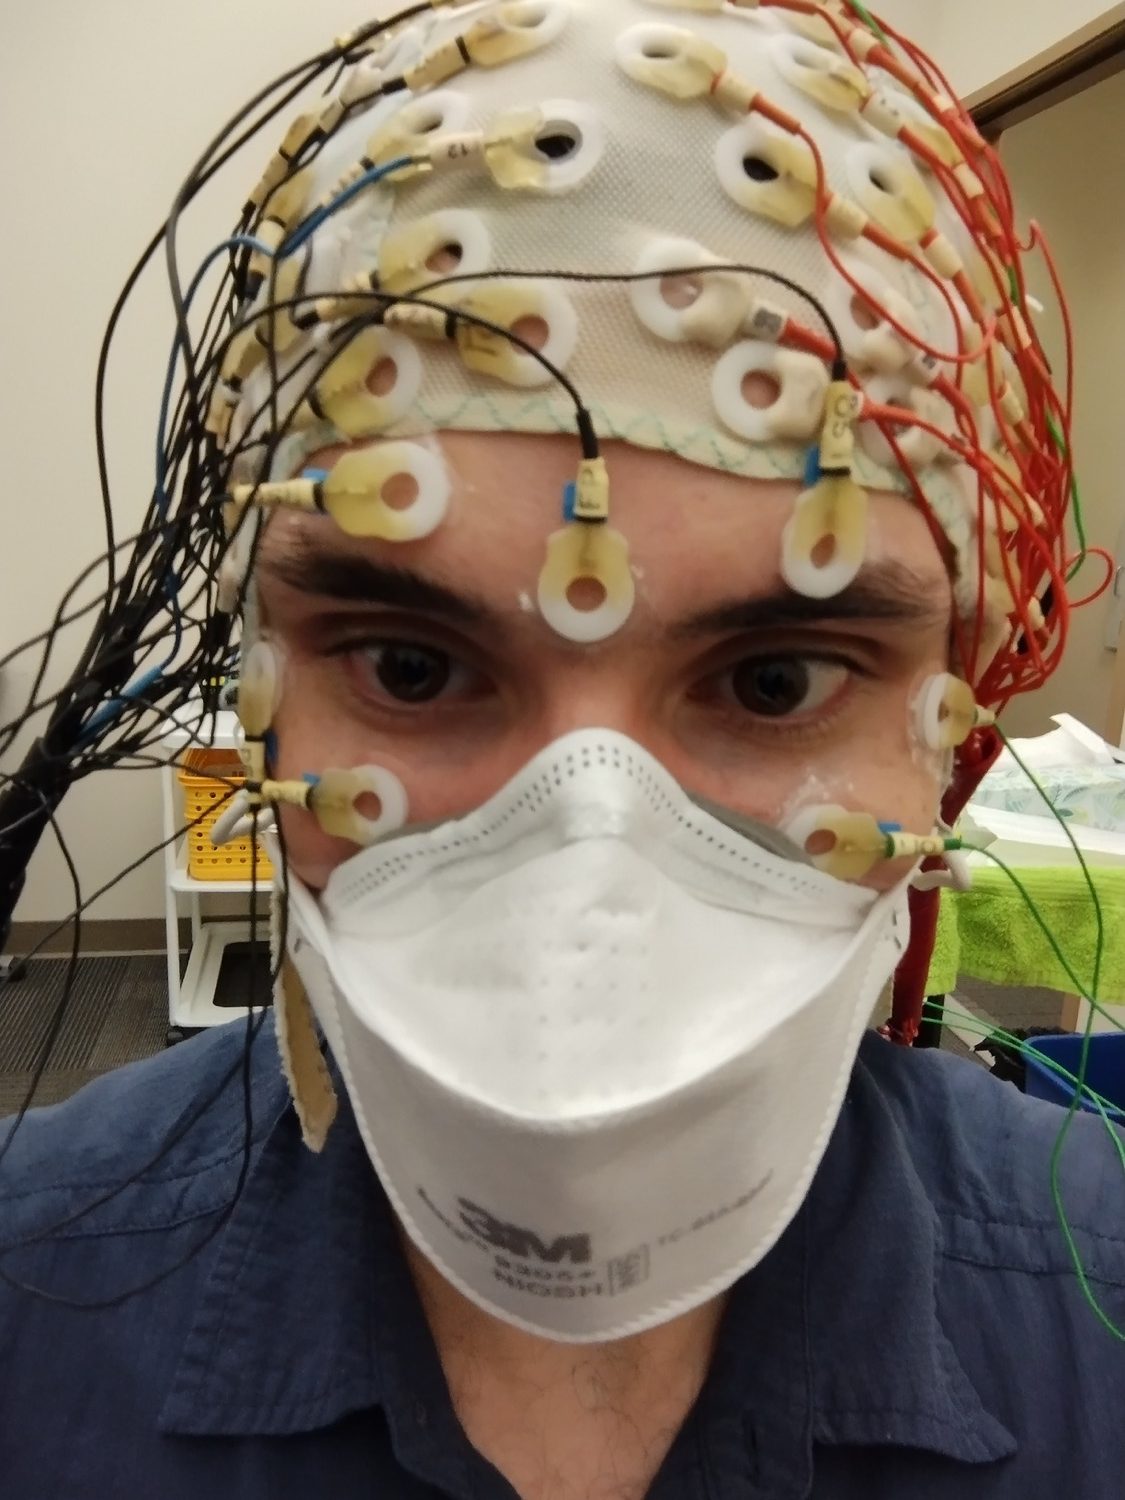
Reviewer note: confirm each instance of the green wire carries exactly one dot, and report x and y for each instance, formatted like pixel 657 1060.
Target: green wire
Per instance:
pixel 869 20
pixel 1090 997
pixel 1068 834
pixel 969 1022
pixel 972 1023
pixel 1075 497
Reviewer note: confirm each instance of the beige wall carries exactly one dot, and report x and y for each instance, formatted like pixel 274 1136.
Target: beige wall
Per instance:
pixel 978 42
pixel 1068 171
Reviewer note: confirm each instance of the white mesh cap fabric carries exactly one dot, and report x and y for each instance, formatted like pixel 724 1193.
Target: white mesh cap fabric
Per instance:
pixel 634 180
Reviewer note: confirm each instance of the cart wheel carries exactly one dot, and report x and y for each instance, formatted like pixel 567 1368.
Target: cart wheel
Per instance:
pixel 173 1035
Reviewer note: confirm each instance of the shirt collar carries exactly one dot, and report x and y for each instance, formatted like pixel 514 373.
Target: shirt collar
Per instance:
pixel 308 1313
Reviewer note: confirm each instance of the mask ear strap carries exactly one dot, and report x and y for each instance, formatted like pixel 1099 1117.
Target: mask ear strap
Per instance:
pixel 306 1072
pixel 310 1084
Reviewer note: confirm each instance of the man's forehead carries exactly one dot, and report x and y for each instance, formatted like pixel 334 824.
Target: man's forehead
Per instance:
pixel 320 565
pixel 698 538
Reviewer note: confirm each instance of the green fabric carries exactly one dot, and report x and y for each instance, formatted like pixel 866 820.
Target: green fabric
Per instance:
pixel 989 932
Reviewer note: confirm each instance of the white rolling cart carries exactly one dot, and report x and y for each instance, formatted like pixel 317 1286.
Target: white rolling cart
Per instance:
pixel 191 1000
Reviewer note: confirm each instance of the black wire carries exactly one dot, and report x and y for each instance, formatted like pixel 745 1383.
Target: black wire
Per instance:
pixel 621 278
pixel 54 1027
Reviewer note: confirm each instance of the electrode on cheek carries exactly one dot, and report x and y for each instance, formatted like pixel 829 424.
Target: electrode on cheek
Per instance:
pixel 337 800
pixel 848 845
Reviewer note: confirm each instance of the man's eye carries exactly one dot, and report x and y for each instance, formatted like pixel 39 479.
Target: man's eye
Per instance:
pixel 407 672
pixel 782 687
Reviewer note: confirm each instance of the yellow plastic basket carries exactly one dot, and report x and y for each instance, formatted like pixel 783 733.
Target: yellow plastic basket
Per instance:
pixel 205 798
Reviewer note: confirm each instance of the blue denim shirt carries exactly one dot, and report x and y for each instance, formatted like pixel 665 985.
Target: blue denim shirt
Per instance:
pixel 917 1332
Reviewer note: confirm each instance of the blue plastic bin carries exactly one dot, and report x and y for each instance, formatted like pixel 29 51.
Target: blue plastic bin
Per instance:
pixel 1105 1070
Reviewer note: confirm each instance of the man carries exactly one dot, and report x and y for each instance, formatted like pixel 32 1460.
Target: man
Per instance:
pixel 640 747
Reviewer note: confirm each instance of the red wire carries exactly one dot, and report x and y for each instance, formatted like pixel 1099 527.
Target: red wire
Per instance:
pixel 1027 508
pixel 1110 573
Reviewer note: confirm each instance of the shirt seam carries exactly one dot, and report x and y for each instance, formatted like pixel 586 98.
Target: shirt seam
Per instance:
pixel 1049 1224
pixel 1003 1266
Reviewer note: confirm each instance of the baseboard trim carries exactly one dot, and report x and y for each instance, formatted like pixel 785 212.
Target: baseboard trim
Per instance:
pixel 126 935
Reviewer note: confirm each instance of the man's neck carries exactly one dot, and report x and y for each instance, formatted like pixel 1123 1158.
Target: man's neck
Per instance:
pixel 561 1420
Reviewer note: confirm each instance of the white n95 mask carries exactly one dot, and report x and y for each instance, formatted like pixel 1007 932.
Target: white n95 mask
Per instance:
pixel 595 1040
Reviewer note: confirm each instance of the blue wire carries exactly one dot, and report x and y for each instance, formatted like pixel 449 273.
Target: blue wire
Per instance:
pixel 111 710
pixel 300 235
pixel 314 221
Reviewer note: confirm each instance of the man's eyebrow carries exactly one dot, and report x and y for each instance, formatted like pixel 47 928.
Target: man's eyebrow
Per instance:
pixel 883 591
pixel 347 578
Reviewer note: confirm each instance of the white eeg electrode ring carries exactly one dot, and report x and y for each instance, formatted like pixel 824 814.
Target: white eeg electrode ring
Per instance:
pixel 709 308
pixel 509 305
pixel 570 143
pixel 867 336
pixel 767 171
pixel 801 383
pixel 451 242
pixel 920 448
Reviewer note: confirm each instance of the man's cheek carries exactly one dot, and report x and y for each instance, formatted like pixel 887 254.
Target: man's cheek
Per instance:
pixel 311 853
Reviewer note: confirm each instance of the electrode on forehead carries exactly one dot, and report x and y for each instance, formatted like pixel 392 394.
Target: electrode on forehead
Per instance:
pixel 825 541
pixel 586 591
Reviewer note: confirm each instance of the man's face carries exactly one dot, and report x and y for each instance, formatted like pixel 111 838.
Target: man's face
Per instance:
pixel 430 658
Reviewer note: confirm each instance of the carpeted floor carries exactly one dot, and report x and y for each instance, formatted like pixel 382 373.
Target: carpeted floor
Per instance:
pixel 119 1012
